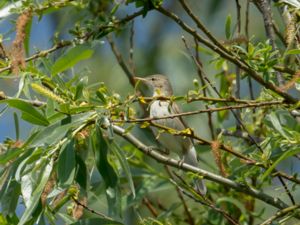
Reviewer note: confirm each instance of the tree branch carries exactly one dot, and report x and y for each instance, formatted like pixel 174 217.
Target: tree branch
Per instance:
pixel 276 202
pixel 280 213
pixel 230 107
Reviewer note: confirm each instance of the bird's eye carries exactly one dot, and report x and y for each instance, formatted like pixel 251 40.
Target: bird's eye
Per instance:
pixel 153 79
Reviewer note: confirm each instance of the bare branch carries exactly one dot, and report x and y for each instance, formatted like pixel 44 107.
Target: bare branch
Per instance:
pixel 230 107
pixel 121 61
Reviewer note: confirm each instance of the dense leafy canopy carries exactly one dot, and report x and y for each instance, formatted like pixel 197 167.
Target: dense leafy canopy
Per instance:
pixel 88 156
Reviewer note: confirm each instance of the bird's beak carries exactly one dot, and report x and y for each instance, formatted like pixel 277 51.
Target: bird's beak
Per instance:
pixel 140 79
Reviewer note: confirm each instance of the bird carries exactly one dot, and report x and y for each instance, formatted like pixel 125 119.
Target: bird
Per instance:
pixel 159 85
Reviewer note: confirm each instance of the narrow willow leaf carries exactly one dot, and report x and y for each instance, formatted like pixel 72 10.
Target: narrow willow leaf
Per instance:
pixel 27 186
pixel 284 156
pixel 104 167
pixel 10 197
pixel 66 165
pixel 228 27
pixel 80 87
pixel 66 218
pixel 29 113
pixel 71 57
pixel 113 197
pixel 34 200
pixel 52 134
pixel 81 173
pixel 124 163
pixel 10 155
pixel 293 52
pixel 276 124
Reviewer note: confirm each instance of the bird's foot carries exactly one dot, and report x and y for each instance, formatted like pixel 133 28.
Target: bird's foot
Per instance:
pixel 180 162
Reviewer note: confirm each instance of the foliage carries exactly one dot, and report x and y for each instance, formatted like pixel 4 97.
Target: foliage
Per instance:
pixel 76 167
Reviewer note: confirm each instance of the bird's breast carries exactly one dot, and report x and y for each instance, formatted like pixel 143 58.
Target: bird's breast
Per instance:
pixel 176 144
pixel 160 109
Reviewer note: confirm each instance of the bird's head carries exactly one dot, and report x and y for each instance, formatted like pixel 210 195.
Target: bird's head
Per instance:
pixel 156 85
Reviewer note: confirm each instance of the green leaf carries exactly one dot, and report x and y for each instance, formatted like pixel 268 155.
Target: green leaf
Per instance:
pixel 34 200
pixel 71 57
pixel 66 218
pixel 66 165
pixel 10 197
pixel 228 26
pixel 114 9
pixel 233 201
pixel 124 163
pixel 284 156
pixel 82 173
pixel 80 87
pixel 276 124
pixel 293 52
pixel 96 221
pixel 52 134
pixel 104 167
pixel 10 155
pixel 29 113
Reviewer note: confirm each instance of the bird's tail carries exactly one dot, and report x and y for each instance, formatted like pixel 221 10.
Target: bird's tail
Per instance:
pixel 190 157
pixel 200 186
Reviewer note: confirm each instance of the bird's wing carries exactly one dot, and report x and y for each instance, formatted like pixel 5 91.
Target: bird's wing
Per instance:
pixel 177 110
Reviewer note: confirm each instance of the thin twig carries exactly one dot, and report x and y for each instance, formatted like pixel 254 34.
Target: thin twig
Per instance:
pixel 238 16
pixel 287 190
pixel 35 103
pixel 150 207
pixel 280 214
pixel 204 202
pixel 227 55
pixel 91 210
pixel 201 26
pixel 131 49
pixel 121 61
pixel 199 72
pixel 40 54
pixel 192 98
pixel 238 71
pixel 190 218
pixel 238 134
pixel 229 107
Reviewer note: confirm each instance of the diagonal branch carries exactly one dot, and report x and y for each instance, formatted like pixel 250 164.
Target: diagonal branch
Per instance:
pixel 121 61
pixel 280 214
pixel 276 202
